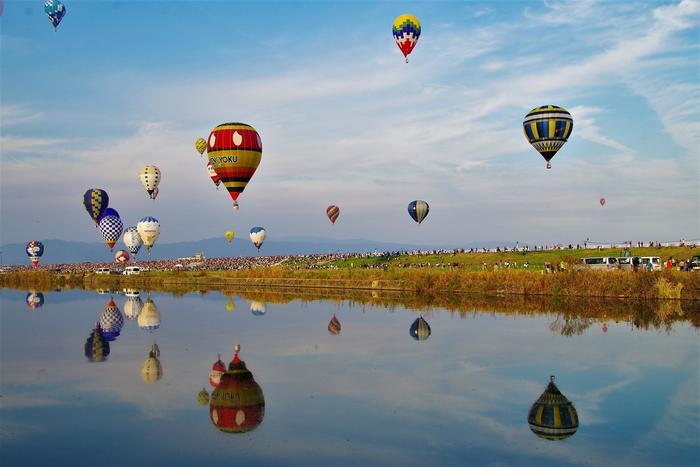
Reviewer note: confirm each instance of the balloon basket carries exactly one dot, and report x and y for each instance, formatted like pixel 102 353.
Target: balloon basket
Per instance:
pixel 549 165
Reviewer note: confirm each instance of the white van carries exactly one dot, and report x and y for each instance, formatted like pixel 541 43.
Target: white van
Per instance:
pixel 130 270
pixel 601 262
pixel 654 260
pixel 102 271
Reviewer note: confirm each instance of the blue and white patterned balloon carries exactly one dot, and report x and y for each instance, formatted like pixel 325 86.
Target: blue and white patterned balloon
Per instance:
pixel 55 10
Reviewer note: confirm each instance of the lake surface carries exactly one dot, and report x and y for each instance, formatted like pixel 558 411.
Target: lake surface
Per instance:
pixel 364 389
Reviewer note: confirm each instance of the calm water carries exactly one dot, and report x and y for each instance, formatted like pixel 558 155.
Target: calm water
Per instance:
pixel 370 395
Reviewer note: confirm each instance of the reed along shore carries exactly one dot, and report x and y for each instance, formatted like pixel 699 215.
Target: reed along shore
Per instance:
pixel 675 285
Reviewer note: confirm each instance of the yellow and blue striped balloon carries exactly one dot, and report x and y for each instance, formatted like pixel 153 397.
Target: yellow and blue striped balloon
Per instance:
pixel 547 128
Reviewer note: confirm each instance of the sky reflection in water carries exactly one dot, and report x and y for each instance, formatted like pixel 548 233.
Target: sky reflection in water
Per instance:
pixel 369 393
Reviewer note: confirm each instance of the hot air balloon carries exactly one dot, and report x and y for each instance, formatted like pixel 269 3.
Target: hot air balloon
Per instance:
pixel 150 178
pixel 234 151
pixel 149 230
pixel 212 174
pixel 203 395
pixel 200 145
pixel 237 404
pixel 333 212
pixel 418 210
pixel 132 240
pixel 34 300
pixel 217 369
pixel 96 346
pixel 111 227
pixel 553 416
pixel 121 256
pixel 55 11
pixel 95 201
pixel 602 201
pixel 258 308
pixel 334 326
pixel 257 236
pixel 547 128
pixel 111 321
pixel 229 236
pixel 35 250
pixel 406 32
pixel 420 329
pixel 152 370
pixel 149 318
pixel 230 306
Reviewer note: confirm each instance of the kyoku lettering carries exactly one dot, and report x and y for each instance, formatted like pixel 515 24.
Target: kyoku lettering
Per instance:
pixel 223 159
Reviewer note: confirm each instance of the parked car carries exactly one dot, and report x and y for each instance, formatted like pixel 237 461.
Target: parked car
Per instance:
pixel 102 271
pixel 130 270
pixel 654 260
pixel 625 263
pixel 600 262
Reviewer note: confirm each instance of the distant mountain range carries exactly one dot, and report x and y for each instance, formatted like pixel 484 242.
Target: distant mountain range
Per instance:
pixel 62 251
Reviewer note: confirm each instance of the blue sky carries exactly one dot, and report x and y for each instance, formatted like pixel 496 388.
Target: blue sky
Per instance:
pixel 345 121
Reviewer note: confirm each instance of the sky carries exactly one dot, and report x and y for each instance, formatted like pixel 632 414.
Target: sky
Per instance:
pixel 344 120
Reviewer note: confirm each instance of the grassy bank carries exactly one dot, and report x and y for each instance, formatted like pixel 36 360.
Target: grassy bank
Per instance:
pixel 583 283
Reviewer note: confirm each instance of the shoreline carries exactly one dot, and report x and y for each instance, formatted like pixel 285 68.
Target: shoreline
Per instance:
pixel 664 285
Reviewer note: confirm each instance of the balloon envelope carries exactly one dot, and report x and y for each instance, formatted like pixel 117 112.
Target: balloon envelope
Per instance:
pixel 111 227
pixel 150 178
pixel 132 240
pixel 420 329
pixel 418 210
pixel 200 145
pixel 257 236
pixel 406 31
pixel 121 256
pixel 333 212
pixel 234 151
pixel 35 250
pixel 55 11
pixel 229 236
pixel 95 201
pixel 547 128
pixel 149 230
pixel 602 201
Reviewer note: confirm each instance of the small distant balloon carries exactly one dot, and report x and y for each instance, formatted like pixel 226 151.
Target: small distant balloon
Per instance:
pixel 418 210
pixel 229 236
pixel 55 11
pixel 333 212
pixel 132 240
pixel 35 250
pixel 95 201
pixel 602 201
pixel 406 31
pixel 258 308
pixel 150 178
pixel 149 231
pixel 121 256
pixel 257 236
pixel 111 227
pixel 200 145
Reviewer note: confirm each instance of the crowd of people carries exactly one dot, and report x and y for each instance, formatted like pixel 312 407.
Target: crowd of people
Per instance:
pixel 327 260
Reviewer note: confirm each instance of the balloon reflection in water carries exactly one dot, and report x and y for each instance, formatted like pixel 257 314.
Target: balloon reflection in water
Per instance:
pixel 111 321
pixel 34 300
pixel 133 307
pixel 152 370
pixel 96 346
pixel 420 329
pixel 149 318
pixel 230 306
pixel 237 405
pixel 258 308
pixel 334 326
pixel 553 416
pixel 217 369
